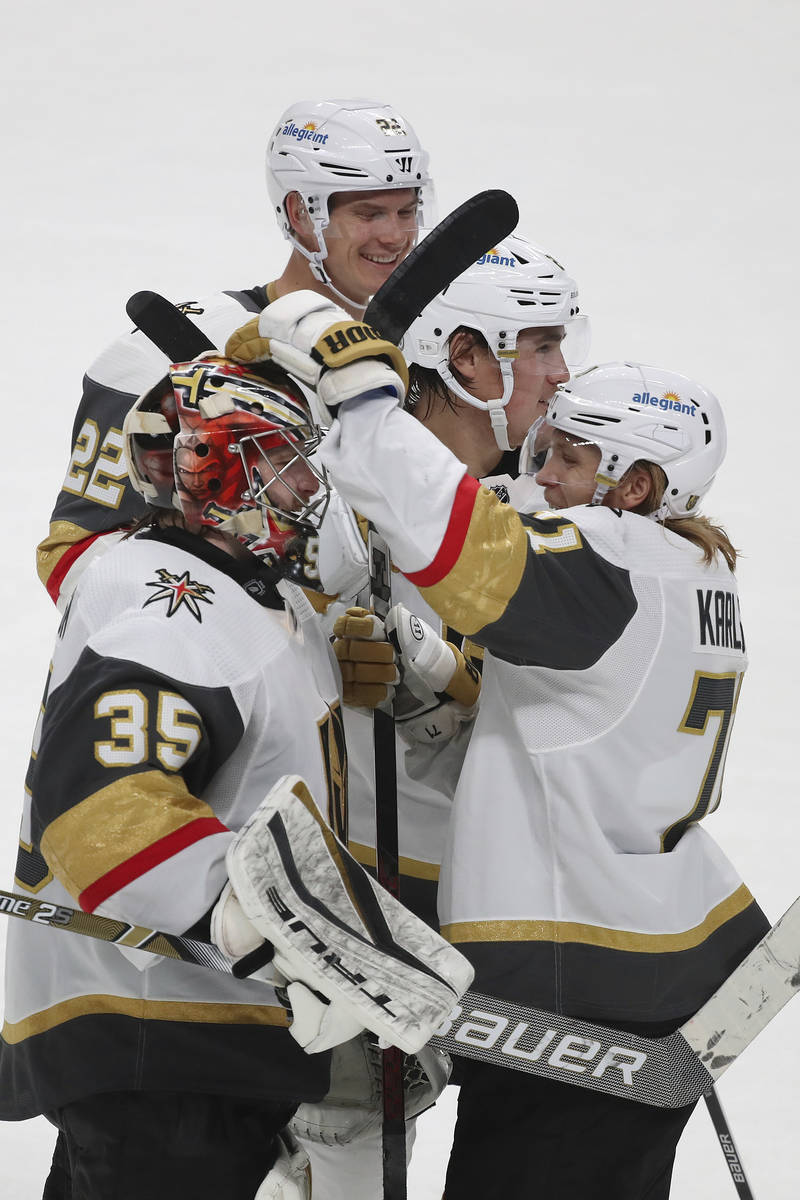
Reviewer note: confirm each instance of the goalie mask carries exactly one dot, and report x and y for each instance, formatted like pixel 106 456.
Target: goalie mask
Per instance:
pixel 148 431
pixel 321 147
pixel 634 412
pixel 240 459
pixel 512 287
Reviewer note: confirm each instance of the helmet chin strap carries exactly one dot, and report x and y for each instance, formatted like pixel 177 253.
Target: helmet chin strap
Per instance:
pixel 316 261
pixel 319 272
pixel 496 408
pixel 497 416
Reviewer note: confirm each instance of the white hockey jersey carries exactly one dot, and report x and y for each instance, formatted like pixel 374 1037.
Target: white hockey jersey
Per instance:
pixel 180 691
pixel 577 876
pixel 426 776
pixel 96 498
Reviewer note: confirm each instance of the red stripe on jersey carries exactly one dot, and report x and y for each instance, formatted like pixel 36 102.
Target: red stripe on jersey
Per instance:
pixel 67 559
pixel 139 864
pixel 454 537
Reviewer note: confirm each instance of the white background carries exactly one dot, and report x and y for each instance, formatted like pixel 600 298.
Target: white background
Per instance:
pixel 652 149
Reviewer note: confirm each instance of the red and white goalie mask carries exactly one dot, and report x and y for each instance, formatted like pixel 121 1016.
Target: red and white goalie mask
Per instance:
pixel 241 460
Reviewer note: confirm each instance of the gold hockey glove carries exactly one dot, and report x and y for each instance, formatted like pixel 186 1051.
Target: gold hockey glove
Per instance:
pixel 322 346
pixel 366 659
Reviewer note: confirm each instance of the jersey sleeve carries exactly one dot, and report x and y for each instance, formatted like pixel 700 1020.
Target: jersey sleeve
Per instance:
pixel 492 574
pixel 123 756
pixel 96 497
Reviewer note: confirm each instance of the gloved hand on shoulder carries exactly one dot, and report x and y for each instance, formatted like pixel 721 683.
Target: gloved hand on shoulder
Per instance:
pixel 321 345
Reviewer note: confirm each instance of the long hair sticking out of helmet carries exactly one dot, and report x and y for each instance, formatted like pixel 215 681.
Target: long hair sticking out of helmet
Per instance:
pixel 514 286
pixel 647 417
pixel 321 147
pixel 234 434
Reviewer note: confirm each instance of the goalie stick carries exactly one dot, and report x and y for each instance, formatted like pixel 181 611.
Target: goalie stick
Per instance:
pixel 667 1072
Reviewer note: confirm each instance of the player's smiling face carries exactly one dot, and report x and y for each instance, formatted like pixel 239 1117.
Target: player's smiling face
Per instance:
pixel 369 234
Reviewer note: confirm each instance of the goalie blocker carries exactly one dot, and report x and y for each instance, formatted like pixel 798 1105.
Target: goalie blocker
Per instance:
pixel 335 931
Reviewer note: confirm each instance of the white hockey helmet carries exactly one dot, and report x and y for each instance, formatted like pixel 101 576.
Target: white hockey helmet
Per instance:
pixel 632 411
pixel 320 147
pixel 514 286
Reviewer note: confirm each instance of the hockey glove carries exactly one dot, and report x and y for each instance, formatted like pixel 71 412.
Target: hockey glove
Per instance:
pixel 322 346
pixel 317 1024
pixel 366 659
pixel 438 688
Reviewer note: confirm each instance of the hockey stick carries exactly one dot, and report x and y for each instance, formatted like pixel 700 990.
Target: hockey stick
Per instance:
pixel 455 243
pixel 667 1072
pixel 387 862
pixel 728 1145
pixel 167 327
pixel 449 249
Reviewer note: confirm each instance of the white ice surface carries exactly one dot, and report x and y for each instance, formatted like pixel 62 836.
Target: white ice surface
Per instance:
pixel 653 150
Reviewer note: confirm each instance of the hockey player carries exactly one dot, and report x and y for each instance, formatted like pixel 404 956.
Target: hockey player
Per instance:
pixel 577 875
pixel 484 358
pixel 350 214
pixel 349 184
pixel 189 679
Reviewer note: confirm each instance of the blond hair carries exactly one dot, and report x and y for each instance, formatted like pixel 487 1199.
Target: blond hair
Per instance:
pixel 708 537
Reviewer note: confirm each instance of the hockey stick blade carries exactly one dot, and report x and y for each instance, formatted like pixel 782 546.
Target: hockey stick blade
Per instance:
pixel 455 244
pixel 167 327
pixel 667 1072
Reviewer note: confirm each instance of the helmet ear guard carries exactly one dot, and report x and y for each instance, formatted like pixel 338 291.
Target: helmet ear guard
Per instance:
pixel 634 412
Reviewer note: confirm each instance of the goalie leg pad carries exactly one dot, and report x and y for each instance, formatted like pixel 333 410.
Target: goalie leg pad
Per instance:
pixel 337 930
pixel 353 1107
pixel 290 1176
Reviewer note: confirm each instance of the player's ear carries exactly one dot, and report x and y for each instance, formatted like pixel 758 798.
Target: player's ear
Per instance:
pixel 632 490
pixel 465 353
pixel 298 215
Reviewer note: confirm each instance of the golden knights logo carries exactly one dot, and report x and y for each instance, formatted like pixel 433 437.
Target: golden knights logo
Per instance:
pixel 334 756
pixel 179 590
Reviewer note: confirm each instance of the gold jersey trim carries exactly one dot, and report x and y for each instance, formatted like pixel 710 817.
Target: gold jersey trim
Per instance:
pixel 151 1010
pixel 302 793
pixel 595 935
pixel 62 536
pixel 413 867
pixel 488 571
pixel 319 601
pixel 112 825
